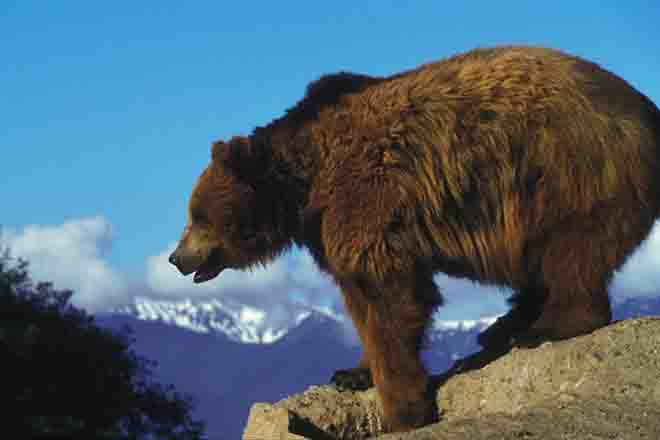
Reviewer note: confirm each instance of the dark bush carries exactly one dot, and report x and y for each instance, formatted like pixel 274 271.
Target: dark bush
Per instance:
pixel 55 359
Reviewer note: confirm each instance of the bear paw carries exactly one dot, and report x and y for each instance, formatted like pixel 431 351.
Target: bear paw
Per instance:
pixel 354 379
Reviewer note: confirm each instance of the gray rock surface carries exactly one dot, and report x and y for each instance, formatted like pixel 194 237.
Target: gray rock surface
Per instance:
pixel 605 385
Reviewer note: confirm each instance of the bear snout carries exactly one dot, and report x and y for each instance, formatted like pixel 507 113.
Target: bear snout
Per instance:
pixel 174 259
pixel 185 264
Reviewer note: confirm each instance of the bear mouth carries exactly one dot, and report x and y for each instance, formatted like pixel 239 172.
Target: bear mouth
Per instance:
pixel 209 269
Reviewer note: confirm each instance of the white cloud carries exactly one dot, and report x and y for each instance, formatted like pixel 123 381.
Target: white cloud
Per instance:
pixel 465 299
pixel 72 256
pixel 293 276
pixel 640 275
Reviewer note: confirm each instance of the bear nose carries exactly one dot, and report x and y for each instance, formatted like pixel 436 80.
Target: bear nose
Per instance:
pixel 173 258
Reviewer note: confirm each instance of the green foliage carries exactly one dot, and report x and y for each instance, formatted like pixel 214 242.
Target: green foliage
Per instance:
pixel 56 359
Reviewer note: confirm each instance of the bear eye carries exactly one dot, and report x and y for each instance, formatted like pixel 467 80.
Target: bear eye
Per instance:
pixel 198 216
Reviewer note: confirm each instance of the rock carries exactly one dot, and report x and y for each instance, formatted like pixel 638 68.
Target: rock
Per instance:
pixel 605 385
pixel 268 423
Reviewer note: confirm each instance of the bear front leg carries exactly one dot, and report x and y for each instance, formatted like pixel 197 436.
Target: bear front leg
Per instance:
pixel 358 378
pixel 397 317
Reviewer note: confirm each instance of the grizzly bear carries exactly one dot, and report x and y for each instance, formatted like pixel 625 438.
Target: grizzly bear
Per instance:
pixel 517 166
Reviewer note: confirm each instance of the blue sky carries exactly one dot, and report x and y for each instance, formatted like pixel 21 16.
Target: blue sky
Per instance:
pixel 109 109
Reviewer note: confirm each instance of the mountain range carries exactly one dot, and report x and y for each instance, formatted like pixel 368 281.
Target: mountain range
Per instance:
pixel 228 355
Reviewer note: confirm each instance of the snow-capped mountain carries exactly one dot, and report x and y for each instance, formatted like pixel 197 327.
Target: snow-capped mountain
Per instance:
pixel 228 355
pixel 239 322
pixel 449 341
pixel 443 328
pixel 247 324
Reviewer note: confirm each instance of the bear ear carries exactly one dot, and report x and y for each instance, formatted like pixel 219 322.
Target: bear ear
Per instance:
pixel 239 155
pixel 220 151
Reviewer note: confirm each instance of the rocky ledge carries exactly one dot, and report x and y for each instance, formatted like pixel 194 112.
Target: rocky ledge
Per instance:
pixel 605 385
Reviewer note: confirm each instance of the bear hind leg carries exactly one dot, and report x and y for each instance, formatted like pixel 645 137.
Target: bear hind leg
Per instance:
pixel 526 308
pixel 568 272
pixel 574 266
pixel 568 313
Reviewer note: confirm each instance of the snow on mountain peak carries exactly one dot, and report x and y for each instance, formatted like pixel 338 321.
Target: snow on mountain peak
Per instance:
pixel 239 322
pixel 463 325
pixel 252 315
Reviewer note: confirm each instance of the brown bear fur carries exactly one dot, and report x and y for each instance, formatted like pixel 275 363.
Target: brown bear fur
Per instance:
pixel 518 166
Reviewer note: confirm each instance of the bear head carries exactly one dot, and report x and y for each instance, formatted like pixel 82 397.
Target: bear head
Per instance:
pixel 222 227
